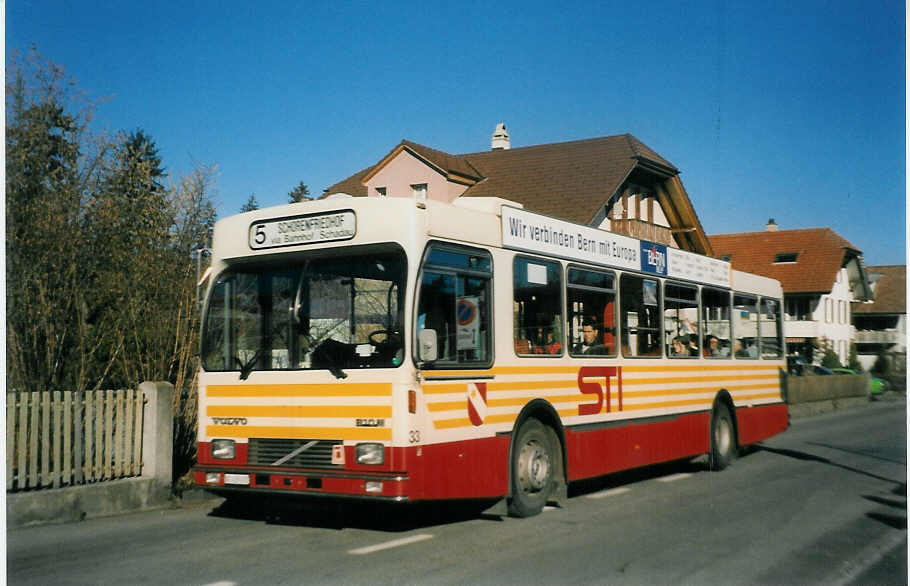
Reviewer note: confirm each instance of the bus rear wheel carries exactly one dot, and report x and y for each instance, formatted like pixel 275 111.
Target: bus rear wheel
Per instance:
pixel 723 438
pixel 532 469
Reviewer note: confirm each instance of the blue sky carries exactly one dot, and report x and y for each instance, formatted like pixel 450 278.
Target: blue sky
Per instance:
pixel 790 110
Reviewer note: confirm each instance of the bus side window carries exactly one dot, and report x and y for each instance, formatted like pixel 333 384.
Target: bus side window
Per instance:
pixel 745 326
pixel 640 316
pixel 592 308
pixel 681 327
pixel 537 307
pixel 455 303
pixel 770 328
pixel 715 308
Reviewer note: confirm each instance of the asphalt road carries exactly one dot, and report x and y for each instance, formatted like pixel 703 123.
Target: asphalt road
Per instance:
pixel 823 503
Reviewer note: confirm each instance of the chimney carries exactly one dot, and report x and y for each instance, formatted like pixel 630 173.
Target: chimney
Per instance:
pixel 500 138
pixel 771 226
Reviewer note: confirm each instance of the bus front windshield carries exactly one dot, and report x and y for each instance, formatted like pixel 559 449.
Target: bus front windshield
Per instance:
pixel 329 313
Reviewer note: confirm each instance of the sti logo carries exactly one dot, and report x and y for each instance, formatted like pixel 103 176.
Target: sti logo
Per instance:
pixel 653 258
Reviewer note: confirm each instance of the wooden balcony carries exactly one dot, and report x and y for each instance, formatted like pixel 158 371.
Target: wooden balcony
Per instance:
pixel 643 230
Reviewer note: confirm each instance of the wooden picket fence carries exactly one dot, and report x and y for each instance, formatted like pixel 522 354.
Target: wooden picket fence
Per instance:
pixel 56 439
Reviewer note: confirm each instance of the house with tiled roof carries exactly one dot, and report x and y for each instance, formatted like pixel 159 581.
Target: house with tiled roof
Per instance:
pixel 616 183
pixel 881 323
pixel 821 274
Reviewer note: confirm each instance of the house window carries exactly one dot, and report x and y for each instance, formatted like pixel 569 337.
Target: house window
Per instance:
pixel 726 257
pixel 783 257
pixel 829 311
pixel 381 191
pixel 799 308
pixel 419 191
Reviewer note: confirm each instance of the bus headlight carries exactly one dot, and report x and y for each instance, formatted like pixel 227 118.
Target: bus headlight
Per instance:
pixel 223 449
pixel 370 453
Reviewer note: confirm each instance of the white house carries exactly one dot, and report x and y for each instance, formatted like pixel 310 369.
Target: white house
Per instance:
pixel 821 274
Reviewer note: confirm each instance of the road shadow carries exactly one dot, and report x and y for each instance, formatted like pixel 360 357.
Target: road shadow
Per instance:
pixel 339 515
pixel 805 456
pixel 401 517
pixel 894 509
pixel 617 479
pixel 889 516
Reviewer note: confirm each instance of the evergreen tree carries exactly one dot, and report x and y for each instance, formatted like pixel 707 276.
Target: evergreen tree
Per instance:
pixel 250 205
pixel 44 184
pixel 299 193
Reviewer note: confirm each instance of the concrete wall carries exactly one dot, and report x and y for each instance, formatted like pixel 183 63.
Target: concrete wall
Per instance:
pixel 806 389
pixel 151 490
pixel 816 394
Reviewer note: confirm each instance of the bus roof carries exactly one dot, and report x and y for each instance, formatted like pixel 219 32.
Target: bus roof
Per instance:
pixel 341 221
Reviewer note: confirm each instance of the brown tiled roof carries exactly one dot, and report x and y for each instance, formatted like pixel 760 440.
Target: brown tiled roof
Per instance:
pixel 890 290
pixel 453 164
pixel 353 185
pixel 570 180
pixel 821 253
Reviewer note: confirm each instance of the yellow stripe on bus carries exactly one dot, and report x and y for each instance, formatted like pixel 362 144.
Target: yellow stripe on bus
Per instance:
pixel 314 390
pixel 298 411
pixel 742 398
pixel 627 366
pixel 441 389
pixel 347 433
pixel 629 381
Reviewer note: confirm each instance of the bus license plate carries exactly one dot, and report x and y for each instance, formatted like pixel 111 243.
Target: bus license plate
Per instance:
pixel 237 479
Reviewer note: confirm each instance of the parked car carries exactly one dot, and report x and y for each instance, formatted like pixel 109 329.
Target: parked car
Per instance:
pixel 797 366
pixel 876 385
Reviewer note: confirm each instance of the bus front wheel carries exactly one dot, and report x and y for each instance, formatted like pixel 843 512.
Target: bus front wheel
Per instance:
pixel 723 438
pixel 532 469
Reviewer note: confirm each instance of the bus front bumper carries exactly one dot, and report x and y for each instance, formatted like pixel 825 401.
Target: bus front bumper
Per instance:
pixel 312 482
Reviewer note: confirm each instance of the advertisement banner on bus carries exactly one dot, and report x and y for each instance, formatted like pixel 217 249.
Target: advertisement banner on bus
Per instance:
pixel 530 232
pixel 523 230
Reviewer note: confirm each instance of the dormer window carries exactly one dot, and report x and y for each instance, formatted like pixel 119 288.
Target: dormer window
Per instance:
pixel 419 191
pixel 785 257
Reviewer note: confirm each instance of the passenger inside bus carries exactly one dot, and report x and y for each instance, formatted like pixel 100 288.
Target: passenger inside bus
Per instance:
pixel 546 342
pixel 591 342
pixel 712 347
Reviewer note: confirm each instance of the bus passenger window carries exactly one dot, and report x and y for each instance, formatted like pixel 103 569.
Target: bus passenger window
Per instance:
pixel 591 321
pixel 681 330
pixel 455 304
pixel 745 326
pixel 715 308
pixel 770 328
pixel 537 307
pixel 639 316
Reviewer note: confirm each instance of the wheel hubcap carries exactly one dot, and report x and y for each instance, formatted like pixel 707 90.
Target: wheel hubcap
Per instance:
pixel 723 436
pixel 533 467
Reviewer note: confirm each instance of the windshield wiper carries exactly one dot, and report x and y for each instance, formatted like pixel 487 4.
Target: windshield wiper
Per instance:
pixel 247 368
pixel 330 354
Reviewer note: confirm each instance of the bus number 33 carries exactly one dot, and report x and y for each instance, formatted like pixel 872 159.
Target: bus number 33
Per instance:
pixel 598 384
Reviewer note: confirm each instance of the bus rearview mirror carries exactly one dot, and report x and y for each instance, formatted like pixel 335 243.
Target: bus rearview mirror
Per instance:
pixel 427 351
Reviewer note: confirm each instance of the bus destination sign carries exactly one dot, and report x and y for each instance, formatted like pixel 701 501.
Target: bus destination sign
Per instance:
pixel 307 229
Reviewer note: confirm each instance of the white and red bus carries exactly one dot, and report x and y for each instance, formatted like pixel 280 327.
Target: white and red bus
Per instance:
pixel 401 350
